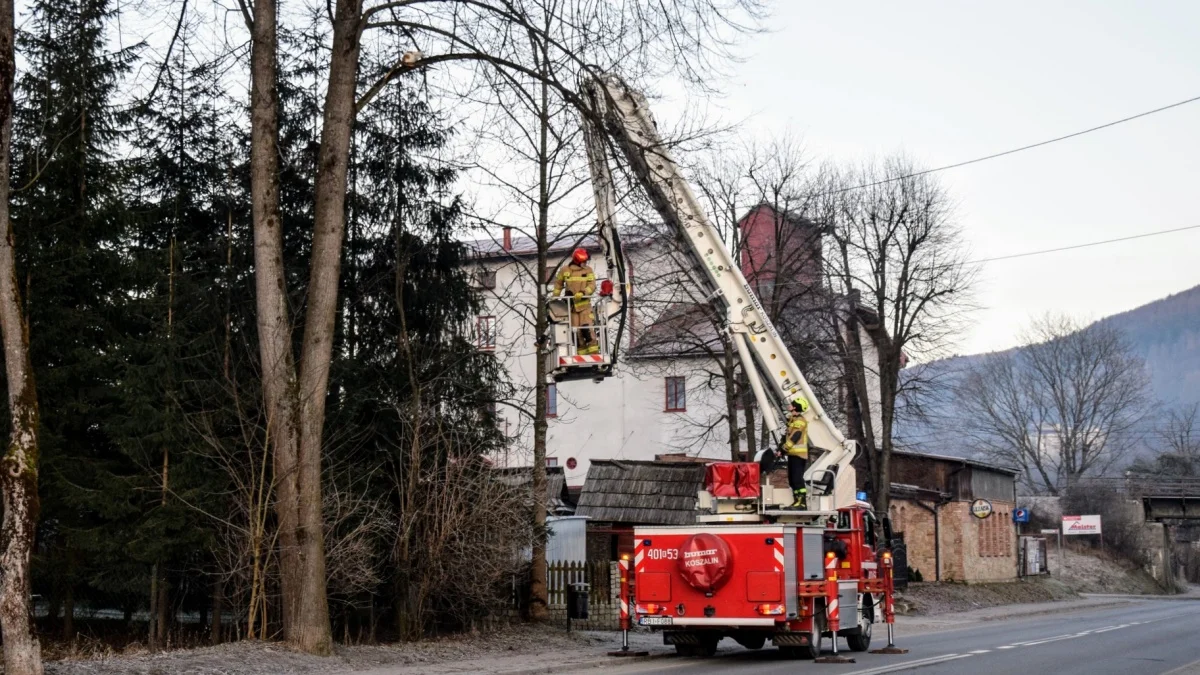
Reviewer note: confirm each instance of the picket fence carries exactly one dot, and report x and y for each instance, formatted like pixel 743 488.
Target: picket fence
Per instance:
pixel 598 574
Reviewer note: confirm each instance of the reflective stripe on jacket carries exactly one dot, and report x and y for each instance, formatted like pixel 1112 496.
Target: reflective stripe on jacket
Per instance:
pixel 795 440
pixel 577 279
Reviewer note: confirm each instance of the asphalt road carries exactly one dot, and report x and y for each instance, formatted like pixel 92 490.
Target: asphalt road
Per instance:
pixel 1153 638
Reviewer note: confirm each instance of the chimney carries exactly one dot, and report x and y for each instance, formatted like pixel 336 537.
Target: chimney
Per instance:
pixel 507 238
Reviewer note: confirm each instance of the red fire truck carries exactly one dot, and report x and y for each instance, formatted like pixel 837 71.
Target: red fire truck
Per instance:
pixel 753 571
pixel 752 568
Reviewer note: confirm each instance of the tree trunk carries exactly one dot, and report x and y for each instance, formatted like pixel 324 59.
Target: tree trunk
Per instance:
pixel 151 628
pixel 313 634
pixel 218 611
pixel 163 619
pixel 19 468
pixel 729 374
pixel 539 595
pixel 748 403
pixel 858 396
pixel 274 331
pixel 888 374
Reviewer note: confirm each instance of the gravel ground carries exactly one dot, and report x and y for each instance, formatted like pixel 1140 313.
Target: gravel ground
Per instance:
pixel 1094 572
pixel 930 599
pixel 259 658
pixel 522 648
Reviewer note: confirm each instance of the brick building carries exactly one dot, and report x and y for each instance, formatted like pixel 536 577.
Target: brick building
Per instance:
pixel 931 504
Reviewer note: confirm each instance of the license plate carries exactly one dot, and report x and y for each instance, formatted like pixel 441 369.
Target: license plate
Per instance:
pixel 655 621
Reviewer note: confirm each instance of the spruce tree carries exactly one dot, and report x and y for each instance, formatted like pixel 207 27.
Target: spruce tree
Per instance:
pixel 173 349
pixel 70 228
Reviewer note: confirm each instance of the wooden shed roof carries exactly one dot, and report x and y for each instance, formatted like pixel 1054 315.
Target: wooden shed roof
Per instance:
pixel 641 493
pixel 558 499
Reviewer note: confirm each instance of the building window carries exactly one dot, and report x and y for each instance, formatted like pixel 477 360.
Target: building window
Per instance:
pixel 551 462
pixel 485 331
pixel 676 394
pixel 552 400
pixel 485 279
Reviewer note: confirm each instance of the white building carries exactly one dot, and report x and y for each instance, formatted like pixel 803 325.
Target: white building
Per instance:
pixel 653 405
pixel 667 397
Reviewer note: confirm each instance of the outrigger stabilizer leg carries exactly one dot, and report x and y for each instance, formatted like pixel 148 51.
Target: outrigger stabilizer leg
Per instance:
pixel 624 650
pixel 889 609
pixel 832 613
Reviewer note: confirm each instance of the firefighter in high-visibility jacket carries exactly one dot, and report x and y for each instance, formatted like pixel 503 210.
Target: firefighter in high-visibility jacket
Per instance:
pixel 579 281
pixel 795 445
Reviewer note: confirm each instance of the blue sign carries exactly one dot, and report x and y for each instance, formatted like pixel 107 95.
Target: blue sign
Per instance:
pixel 1020 515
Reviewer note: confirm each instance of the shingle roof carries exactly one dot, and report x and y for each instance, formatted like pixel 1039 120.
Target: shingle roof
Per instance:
pixel 522 246
pixel 964 460
pixel 558 499
pixel 642 493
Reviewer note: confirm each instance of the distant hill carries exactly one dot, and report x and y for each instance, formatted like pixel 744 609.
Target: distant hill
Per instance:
pixel 1166 333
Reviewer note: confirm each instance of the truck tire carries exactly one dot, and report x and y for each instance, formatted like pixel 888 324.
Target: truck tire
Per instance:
pixel 860 640
pixel 685 650
pixel 810 652
pixel 707 647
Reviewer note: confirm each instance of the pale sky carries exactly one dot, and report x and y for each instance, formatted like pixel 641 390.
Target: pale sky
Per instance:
pixel 951 81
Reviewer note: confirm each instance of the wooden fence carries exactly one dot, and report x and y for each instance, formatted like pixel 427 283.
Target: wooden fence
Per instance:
pixel 598 574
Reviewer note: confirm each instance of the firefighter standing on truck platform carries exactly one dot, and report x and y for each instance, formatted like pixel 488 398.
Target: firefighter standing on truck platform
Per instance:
pixel 580 282
pixel 795 444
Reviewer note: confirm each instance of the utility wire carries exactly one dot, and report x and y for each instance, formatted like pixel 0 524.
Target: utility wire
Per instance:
pixel 1075 246
pixel 1014 150
pixel 1026 254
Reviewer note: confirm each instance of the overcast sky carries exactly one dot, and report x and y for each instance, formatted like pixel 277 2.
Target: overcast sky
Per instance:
pixel 950 81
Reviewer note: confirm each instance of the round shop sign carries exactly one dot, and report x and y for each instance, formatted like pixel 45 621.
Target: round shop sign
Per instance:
pixel 981 508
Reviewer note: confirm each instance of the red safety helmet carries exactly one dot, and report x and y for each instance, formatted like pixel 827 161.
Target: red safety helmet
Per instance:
pixel 580 256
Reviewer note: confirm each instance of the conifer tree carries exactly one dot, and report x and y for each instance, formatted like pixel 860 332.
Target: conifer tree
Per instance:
pixel 70 232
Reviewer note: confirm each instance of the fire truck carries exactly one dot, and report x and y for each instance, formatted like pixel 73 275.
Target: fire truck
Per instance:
pixel 751 568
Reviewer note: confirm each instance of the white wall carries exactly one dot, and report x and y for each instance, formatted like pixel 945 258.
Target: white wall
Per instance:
pixel 622 417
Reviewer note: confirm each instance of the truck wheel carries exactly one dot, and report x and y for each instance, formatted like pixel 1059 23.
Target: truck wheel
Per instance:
pixel 707 647
pixel 685 650
pixel 813 650
pixel 860 641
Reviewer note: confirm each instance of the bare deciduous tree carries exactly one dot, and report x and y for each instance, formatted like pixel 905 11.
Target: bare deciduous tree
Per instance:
pixel 1178 443
pixel 897 253
pixel 546 43
pixel 756 199
pixel 1063 405
pixel 19 468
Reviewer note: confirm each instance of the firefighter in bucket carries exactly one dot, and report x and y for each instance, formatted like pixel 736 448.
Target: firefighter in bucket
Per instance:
pixel 579 281
pixel 795 445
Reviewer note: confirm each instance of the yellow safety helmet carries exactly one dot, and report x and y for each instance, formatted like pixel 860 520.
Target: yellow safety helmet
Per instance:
pixel 801 403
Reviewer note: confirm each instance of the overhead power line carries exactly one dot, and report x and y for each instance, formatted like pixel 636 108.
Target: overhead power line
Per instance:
pixel 1015 150
pixel 1048 250
pixel 1090 243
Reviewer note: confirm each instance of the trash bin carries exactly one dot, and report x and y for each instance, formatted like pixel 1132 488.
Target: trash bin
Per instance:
pixel 577 600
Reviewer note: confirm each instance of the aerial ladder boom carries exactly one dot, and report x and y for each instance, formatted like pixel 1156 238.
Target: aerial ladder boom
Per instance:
pixel 773 374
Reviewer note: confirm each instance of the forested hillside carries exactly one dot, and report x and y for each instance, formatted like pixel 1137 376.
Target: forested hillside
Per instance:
pixel 1165 334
